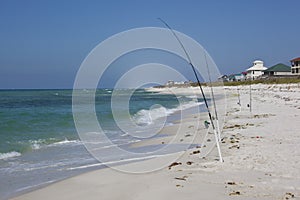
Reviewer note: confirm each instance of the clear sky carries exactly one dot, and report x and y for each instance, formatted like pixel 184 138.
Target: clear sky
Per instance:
pixel 43 43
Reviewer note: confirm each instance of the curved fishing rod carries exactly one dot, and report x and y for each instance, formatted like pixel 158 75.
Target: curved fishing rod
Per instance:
pixel 199 84
pixel 213 98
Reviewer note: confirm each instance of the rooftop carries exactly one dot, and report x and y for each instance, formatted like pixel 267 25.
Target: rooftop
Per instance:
pixel 279 68
pixel 258 62
pixel 257 68
pixel 296 59
pixel 258 65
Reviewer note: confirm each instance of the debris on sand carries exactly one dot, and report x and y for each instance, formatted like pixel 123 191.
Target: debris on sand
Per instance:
pixel 174 164
pixel 189 162
pixel 195 152
pixel 234 146
pixel 181 178
pixel 289 195
pixel 231 183
pixel 263 115
pixel 179 185
pixel 234 193
pixel 187 135
pixel 243 126
pixel 233 126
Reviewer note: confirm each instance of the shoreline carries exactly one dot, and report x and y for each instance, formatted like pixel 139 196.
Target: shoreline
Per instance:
pixel 40 182
pixel 260 149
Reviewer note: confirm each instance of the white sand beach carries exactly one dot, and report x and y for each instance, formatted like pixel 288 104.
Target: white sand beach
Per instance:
pixel 261 151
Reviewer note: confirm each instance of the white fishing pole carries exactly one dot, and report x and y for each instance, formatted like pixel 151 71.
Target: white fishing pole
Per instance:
pixel 239 98
pixel 250 96
pixel 213 99
pixel 200 86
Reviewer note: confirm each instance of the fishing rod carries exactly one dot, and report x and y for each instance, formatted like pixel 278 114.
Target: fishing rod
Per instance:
pixel 239 97
pixel 213 98
pixel 250 96
pixel 199 84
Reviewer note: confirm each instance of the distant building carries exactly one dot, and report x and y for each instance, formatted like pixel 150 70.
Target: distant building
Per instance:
pixel 179 83
pixel 256 70
pixel 278 70
pixel 188 83
pixel 223 78
pixel 245 74
pixel 231 78
pixel 236 77
pixel 170 83
pixel 295 66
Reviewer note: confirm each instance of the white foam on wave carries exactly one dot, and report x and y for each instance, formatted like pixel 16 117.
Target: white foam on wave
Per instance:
pixel 66 141
pixel 42 143
pixel 146 117
pixel 11 154
pixel 192 96
pixel 36 144
pixel 124 134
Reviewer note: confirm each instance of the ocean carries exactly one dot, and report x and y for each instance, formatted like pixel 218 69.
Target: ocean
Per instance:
pixel 39 143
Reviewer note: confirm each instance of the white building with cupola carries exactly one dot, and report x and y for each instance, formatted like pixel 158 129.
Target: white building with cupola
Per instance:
pixel 256 71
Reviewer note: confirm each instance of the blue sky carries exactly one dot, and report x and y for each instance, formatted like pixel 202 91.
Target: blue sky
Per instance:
pixel 43 43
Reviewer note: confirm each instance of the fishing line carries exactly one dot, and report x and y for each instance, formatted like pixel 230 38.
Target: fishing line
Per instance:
pixel 199 84
pixel 239 97
pixel 213 98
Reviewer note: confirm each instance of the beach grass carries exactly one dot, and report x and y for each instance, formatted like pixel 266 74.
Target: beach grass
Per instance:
pixel 265 81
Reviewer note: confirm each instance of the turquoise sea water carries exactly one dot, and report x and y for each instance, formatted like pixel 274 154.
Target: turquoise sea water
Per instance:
pixel 39 143
pixel 31 119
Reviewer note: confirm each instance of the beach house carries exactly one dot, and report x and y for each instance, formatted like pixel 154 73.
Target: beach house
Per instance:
pixel 256 71
pixel 278 70
pixel 295 66
pixel 170 83
pixel 236 77
pixel 223 78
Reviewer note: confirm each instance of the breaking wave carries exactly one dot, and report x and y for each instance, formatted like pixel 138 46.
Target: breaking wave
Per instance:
pixel 11 154
pixel 146 117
